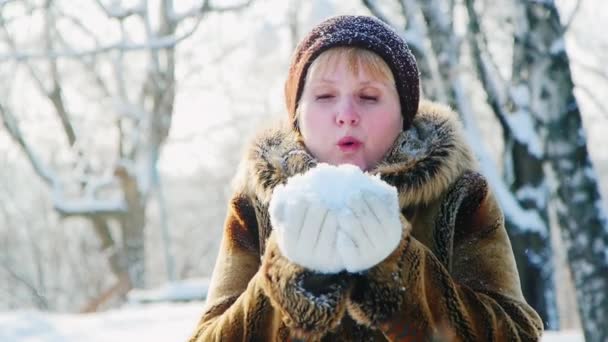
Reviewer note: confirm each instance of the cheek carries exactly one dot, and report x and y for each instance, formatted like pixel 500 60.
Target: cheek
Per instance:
pixel 315 125
pixel 383 133
pixel 387 126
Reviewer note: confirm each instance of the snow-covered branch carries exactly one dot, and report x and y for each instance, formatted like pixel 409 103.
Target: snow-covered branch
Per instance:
pixel 115 11
pixel 85 206
pixel 206 7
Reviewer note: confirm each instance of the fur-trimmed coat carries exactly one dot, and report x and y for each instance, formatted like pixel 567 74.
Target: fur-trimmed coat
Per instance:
pixel 453 276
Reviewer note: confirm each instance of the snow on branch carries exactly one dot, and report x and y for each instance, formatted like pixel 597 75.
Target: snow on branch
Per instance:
pixel 521 127
pixel 535 194
pixel 88 206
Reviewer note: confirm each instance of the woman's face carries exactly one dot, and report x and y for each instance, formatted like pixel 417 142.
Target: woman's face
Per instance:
pixel 348 117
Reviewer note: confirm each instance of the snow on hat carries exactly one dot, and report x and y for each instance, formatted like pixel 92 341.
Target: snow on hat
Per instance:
pixel 363 32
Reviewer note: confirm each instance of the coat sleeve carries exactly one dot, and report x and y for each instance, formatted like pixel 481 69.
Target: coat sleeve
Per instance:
pixel 268 298
pixel 411 294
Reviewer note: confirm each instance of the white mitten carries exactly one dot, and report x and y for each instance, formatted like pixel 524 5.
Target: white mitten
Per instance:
pixel 371 229
pixel 306 230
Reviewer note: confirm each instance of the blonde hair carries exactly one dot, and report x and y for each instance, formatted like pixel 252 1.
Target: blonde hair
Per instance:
pixel 355 58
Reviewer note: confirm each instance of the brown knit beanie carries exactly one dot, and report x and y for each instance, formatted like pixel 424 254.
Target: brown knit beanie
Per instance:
pixel 363 32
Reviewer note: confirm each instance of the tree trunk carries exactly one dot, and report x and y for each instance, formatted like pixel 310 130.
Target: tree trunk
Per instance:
pixel 524 160
pixel 577 199
pixel 532 248
pixel 132 227
pixel 523 168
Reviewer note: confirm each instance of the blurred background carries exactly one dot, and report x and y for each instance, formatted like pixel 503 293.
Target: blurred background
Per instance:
pixel 123 123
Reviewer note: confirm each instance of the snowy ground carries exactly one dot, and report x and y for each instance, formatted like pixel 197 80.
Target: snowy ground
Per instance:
pixel 149 322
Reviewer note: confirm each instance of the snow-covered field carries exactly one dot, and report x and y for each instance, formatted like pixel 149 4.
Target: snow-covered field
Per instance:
pixel 149 322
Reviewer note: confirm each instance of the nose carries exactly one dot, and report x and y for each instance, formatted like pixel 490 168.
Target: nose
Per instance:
pixel 347 114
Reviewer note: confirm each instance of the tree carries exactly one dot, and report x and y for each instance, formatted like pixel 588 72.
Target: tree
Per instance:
pixel 115 191
pixel 577 199
pixel 542 135
pixel 440 56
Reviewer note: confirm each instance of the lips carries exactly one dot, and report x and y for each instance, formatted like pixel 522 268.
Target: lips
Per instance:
pixel 349 144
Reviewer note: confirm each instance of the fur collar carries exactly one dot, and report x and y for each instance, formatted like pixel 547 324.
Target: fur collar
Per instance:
pixel 423 162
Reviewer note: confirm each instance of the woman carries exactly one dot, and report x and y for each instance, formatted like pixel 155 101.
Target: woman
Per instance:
pixel 437 264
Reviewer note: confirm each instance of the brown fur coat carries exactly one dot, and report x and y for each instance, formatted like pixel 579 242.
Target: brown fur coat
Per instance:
pixel 453 276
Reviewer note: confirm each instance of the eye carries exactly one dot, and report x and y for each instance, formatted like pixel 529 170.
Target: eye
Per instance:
pixel 368 98
pixel 324 96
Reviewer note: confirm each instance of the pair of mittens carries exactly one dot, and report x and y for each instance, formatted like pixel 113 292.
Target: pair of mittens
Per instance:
pixel 336 218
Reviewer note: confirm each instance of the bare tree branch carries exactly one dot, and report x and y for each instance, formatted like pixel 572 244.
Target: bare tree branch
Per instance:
pixel 54 95
pixel 12 127
pixel 39 298
pixel 594 98
pixel 493 84
pixel 34 73
pixel 90 66
pixel 595 70
pixel 572 16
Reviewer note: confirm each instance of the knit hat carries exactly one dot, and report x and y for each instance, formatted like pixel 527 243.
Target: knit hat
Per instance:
pixel 363 32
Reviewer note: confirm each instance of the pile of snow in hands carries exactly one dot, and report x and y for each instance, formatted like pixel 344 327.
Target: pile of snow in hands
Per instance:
pixel 335 218
pixel 334 186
